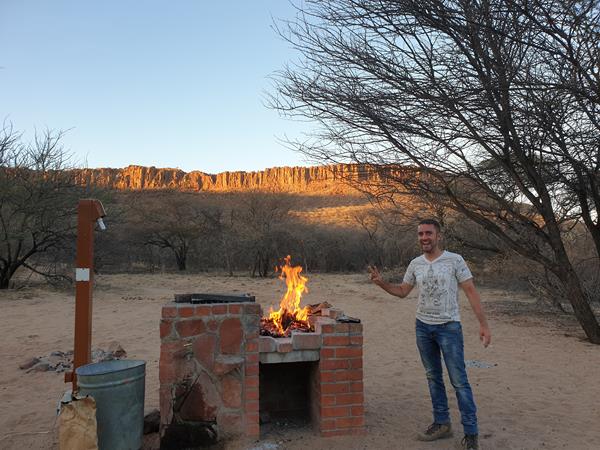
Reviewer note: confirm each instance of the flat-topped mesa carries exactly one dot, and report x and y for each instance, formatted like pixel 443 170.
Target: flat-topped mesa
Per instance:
pixel 277 179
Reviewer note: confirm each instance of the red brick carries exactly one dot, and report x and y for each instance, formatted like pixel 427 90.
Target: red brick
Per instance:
pixel 328 400
pixel 349 422
pixel 252 394
pixel 356 363
pixel 203 310
pixel 356 340
pixel 219 309
pixel 341 375
pixel 231 392
pixel 251 406
pixel 252 345
pixel 252 369
pixel 334 364
pixel 355 398
pixel 334 388
pixel 204 348
pixel 327 328
pixel 252 419
pixel 357 410
pixel 356 386
pixel 354 375
pixel 252 308
pixel 169 311
pixel 327 353
pixel 251 381
pixel 342 327
pixel 335 411
pixel 231 335
pixel 212 325
pixel 336 340
pixel 234 309
pixel 329 376
pixel 166 327
pixel 191 327
pixel 252 358
pixel 252 430
pixel 327 424
pixel 186 311
pixel 356 328
pixel 348 352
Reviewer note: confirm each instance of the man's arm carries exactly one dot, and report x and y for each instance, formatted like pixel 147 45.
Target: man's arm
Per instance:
pixel 399 290
pixel 475 300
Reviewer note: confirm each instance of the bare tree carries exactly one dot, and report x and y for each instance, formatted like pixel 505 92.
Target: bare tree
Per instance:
pixel 264 218
pixel 172 221
pixel 489 108
pixel 37 201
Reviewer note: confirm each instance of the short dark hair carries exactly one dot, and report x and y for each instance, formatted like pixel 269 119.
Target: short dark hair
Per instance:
pixel 433 222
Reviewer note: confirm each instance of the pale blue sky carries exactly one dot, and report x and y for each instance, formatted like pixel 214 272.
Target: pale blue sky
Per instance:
pixel 162 83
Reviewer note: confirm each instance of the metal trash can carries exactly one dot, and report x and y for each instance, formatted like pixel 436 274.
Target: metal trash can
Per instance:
pixel 118 387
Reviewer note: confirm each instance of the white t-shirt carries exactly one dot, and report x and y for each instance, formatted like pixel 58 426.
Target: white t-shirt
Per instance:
pixel 437 281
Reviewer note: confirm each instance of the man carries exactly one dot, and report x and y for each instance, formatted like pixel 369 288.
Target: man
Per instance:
pixel 438 273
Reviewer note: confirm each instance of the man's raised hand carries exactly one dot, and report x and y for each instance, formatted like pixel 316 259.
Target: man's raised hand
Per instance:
pixel 375 275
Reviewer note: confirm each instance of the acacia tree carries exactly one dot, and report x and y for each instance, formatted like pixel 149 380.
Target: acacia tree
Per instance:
pixel 173 221
pixel 38 200
pixel 489 108
pixel 265 220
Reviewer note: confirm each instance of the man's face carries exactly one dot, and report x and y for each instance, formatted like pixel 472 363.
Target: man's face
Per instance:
pixel 429 238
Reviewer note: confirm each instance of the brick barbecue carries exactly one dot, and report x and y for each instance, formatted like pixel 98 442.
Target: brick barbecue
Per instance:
pixel 218 376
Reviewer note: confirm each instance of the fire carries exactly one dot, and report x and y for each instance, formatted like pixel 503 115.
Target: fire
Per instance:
pixel 289 316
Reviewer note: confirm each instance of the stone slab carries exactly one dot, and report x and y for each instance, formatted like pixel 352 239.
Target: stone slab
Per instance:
pixel 293 356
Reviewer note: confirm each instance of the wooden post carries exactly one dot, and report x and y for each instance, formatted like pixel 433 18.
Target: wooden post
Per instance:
pixel 88 212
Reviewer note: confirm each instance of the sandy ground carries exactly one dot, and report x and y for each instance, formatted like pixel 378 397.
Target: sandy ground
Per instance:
pixel 541 393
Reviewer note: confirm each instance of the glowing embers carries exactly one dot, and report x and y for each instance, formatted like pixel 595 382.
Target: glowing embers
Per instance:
pixel 290 316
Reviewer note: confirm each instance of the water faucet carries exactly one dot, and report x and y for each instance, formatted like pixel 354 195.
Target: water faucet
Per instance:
pixel 100 223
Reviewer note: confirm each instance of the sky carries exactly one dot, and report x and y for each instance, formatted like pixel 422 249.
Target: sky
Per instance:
pixel 178 83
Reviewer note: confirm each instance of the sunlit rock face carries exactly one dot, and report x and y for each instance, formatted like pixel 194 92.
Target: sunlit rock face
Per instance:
pixel 277 179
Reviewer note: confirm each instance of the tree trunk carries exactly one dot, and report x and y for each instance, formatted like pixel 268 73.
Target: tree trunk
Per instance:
pixel 227 254
pixel 583 311
pixel 181 260
pixel 6 274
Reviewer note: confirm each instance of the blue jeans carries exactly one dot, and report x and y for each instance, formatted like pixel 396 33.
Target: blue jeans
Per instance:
pixel 446 339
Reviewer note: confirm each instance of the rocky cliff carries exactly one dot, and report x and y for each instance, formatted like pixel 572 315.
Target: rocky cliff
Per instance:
pixel 332 178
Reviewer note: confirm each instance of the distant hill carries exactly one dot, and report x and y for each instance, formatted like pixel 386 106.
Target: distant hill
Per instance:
pixel 317 179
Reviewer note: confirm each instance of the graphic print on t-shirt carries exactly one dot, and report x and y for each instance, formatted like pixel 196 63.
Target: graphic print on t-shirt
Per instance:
pixel 434 294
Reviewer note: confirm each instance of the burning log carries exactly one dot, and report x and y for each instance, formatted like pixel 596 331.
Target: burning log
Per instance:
pixel 290 317
pixel 268 328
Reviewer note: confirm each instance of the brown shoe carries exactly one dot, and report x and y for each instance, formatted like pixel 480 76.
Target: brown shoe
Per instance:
pixel 470 442
pixel 436 431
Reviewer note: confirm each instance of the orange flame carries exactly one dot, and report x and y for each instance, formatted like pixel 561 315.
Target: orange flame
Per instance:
pixel 289 307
